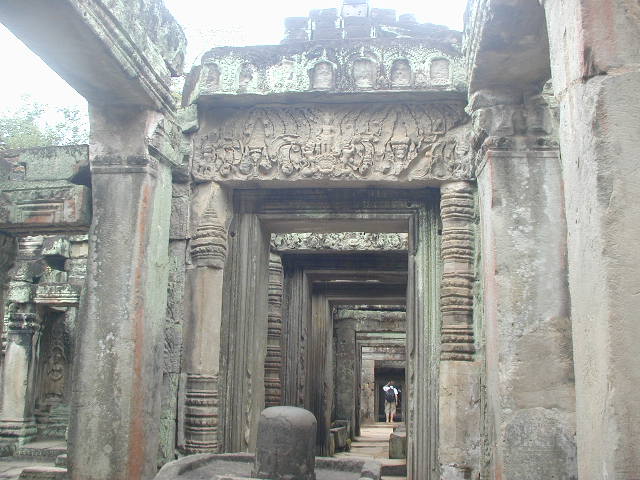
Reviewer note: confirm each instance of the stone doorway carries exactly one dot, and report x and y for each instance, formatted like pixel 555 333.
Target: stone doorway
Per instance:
pixel 259 213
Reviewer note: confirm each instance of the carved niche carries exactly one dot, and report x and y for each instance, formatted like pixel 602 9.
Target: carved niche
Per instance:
pixel 322 76
pixel 400 74
pixel 334 142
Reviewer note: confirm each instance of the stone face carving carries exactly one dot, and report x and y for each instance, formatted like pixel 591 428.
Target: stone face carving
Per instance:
pixel 322 77
pixel 439 71
pixel 325 142
pixel 456 298
pixel 401 74
pixel 364 73
pixel 339 241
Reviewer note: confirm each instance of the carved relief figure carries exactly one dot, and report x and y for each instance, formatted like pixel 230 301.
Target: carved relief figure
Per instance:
pixel 364 73
pixel 213 76
pixel 322 76
pixel 439 71
pixel 400 74
pixel 247 74
pixel 323 141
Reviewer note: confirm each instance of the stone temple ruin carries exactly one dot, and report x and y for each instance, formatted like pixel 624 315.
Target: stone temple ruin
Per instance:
pixel 372 199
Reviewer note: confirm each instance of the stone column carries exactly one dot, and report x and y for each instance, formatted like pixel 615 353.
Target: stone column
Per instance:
pixel 273 362
pixel 346 378
pixel 368 413
pixel 459 416
pixel 244 333
pixel 529 364
pixel 115 412
pixel 595 53
pixel 202 335
pixel 19 370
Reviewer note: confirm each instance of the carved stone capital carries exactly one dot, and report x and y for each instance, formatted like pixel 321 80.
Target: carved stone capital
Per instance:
pixel 20 323
pixel 209 243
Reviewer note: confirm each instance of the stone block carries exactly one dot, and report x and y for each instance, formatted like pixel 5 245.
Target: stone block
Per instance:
pixel 398 444
pixel 44 163
pixel 57 294
pixel 56 247
pixel 44 205
pixel 294 23
pixel 43 473
pixel 359 9
pixel 20 292
pixel 383 16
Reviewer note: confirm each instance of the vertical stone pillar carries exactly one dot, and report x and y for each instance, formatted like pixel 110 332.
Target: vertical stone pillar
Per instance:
pixel 459 416
pixel 273 362
pixel 595 53
pixel 202 335
pixel 115 412
pixel 368 413
pixel 529 364
pixel 244 332
pixel 19 370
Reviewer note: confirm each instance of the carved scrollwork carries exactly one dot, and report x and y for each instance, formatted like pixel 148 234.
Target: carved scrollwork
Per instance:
pixel 339 241
pixel 324 142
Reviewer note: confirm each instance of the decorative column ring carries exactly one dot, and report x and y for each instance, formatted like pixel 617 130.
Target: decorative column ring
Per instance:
pixel 457 209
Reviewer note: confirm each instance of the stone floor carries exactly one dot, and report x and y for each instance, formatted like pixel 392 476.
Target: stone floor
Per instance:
pixel 374 442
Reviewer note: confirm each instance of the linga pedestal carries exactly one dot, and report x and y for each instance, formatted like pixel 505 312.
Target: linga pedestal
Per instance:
pixel 285 451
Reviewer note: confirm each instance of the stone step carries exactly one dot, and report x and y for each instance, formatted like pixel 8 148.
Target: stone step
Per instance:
pixel 43 473
pixel 61 461
pixel 392 468
pixel 46 449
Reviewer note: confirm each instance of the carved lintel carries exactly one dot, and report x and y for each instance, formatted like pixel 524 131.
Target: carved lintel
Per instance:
pixel 209 243
pixel 360 241
pixel 456 297
pixel 328 142
pixel 201 414
pixel 23 323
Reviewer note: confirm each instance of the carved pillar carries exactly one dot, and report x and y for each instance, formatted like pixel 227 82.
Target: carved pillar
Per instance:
pixel 19 368
pixel 457 208
pixel 116 400
pixel 459 430
pixel 273 362
pixel 202 335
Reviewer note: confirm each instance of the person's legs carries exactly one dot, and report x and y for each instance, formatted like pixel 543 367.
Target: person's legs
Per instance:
pixel 387 411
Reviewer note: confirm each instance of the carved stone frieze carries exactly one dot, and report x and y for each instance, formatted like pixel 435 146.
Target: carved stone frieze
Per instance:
pixel 339 241
pixel 331 142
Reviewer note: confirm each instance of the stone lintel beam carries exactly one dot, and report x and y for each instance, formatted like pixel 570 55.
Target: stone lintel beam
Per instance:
pixel 506 44
pixel 110 51
pixel 115 410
